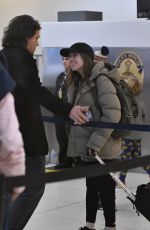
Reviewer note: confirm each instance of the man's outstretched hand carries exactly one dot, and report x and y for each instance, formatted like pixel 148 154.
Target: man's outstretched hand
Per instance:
pixel 78 114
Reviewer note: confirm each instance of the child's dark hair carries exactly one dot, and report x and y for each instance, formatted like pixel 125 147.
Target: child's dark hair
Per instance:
pixel 134 85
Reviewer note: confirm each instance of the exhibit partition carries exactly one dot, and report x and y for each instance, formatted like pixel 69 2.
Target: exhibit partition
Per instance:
pixel 120 37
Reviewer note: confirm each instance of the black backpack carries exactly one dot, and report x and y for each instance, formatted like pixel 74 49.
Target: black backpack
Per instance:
pixel 142 200
pixel 129 107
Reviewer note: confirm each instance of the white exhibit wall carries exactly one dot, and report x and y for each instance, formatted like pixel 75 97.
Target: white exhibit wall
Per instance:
pixel 111 33
pixel 46 10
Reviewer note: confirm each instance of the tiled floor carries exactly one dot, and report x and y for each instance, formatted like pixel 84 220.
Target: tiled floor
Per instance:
pixel 63 207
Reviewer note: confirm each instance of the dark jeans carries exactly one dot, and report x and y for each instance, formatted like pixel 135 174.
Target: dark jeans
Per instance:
pixel 105 186
pixel 24 206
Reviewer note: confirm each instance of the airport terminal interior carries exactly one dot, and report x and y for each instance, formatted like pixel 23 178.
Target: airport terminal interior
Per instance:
pixel 63 207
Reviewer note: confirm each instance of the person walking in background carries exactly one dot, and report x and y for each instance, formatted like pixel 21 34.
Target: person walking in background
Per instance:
pixel 102 54
pixel 87 85
pixel 19 43
pixel 61 132
pixel 12 156
pixel 131 145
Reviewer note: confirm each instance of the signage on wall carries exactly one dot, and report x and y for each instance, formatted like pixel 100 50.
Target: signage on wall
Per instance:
pixel 129 64
pixel 143 9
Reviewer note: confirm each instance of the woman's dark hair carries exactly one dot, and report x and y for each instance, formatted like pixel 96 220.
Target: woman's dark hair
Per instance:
pixel 87 67
pixel 19 30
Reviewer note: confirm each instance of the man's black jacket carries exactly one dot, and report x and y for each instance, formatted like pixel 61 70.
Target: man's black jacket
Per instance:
pixel 29 95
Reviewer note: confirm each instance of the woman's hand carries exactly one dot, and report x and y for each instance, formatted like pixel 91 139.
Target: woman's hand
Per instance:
pixel 91 152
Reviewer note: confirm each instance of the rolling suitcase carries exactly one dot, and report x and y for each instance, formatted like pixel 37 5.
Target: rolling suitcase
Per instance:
pixel 141 200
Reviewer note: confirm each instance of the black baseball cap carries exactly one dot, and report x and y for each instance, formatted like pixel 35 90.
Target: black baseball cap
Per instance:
pixel 79 47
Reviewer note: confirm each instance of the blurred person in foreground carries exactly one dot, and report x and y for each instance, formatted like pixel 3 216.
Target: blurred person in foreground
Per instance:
pixel 19 43
pixel 12 156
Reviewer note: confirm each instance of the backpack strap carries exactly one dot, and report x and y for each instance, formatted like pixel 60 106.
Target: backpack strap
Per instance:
pixel 94 91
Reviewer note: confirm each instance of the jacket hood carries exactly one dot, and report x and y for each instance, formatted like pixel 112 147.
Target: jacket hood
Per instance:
pixel 109 69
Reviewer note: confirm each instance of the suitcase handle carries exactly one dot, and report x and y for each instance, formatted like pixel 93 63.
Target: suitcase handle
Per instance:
pixel 117 180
